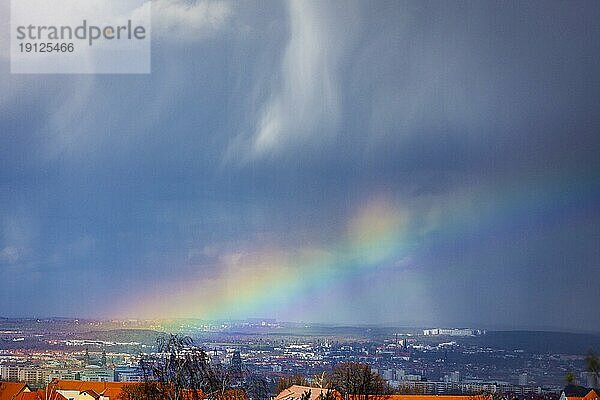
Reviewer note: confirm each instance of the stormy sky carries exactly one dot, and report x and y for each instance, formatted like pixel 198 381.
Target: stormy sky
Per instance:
pixel 386 162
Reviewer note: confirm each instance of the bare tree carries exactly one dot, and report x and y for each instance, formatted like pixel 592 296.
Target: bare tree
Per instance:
pixel 328 395
pixel 182 371
pixel 358 381
pixel 178 371
pixel 147 390
pixel 255 386
pixel 322 381
pixel 570 378
pixel 287 381
pixel 306 395
pixel 592 366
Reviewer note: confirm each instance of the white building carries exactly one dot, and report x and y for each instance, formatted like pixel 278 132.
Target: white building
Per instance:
pixel 453 332
pixel 523 379
pixel 455 376
pixel 9 373
pixel 97 375
pixel 33 376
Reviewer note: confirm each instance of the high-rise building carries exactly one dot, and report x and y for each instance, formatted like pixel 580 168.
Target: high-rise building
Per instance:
pixel 86 358
pixel 523 379
pixel 63 374
pixel 399 374
pixel 9 373
pixel 236 362
pixel 129 374
pixel 455 376
pixel 387 374
pixel 32 376
pixel 97 375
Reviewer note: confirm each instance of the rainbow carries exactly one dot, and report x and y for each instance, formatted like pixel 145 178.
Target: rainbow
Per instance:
pixel 381 235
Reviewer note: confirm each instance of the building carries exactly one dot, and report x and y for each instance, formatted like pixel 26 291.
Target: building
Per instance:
pixel 129 374
pixel 62 374
pixel 295 392
pixel 236 362
pixel 452 332
pixel 97 374
pixel 387 374
pixel 40 394
pixel 276 368
pixel 455 376
pixel 80 390
pixel 431 387
pixel 33 376
pixel 9 373
pixel 9 390
pixel 523 379
pixel 30 375
pixel 573 392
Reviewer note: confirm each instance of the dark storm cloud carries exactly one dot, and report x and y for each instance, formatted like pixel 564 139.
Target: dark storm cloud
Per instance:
pixel 276 123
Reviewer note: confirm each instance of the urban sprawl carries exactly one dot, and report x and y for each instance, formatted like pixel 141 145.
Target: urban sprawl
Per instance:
pixel 35 354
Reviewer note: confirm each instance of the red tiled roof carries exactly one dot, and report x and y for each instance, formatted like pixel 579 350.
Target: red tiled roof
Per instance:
pixel 107 389
pixel 92 393
pixel 49 395
pixel 40 394
pixel 592 395
pixel 295 392
pixel 113 390
pixel 8 390
pixel 26 396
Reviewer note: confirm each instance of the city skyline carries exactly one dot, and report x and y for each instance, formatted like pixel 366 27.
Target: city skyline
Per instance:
pixel 339 162
pixel 416 326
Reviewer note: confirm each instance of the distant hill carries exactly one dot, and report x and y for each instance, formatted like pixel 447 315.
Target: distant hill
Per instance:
pixel 539 342
pixel 144 336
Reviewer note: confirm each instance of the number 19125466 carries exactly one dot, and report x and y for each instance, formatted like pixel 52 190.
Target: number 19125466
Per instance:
pixel 46 47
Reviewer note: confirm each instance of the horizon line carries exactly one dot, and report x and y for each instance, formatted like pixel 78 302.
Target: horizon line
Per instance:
pixel 414 325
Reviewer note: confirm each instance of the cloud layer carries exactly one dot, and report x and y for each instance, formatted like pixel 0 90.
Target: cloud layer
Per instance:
pixel 265 132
